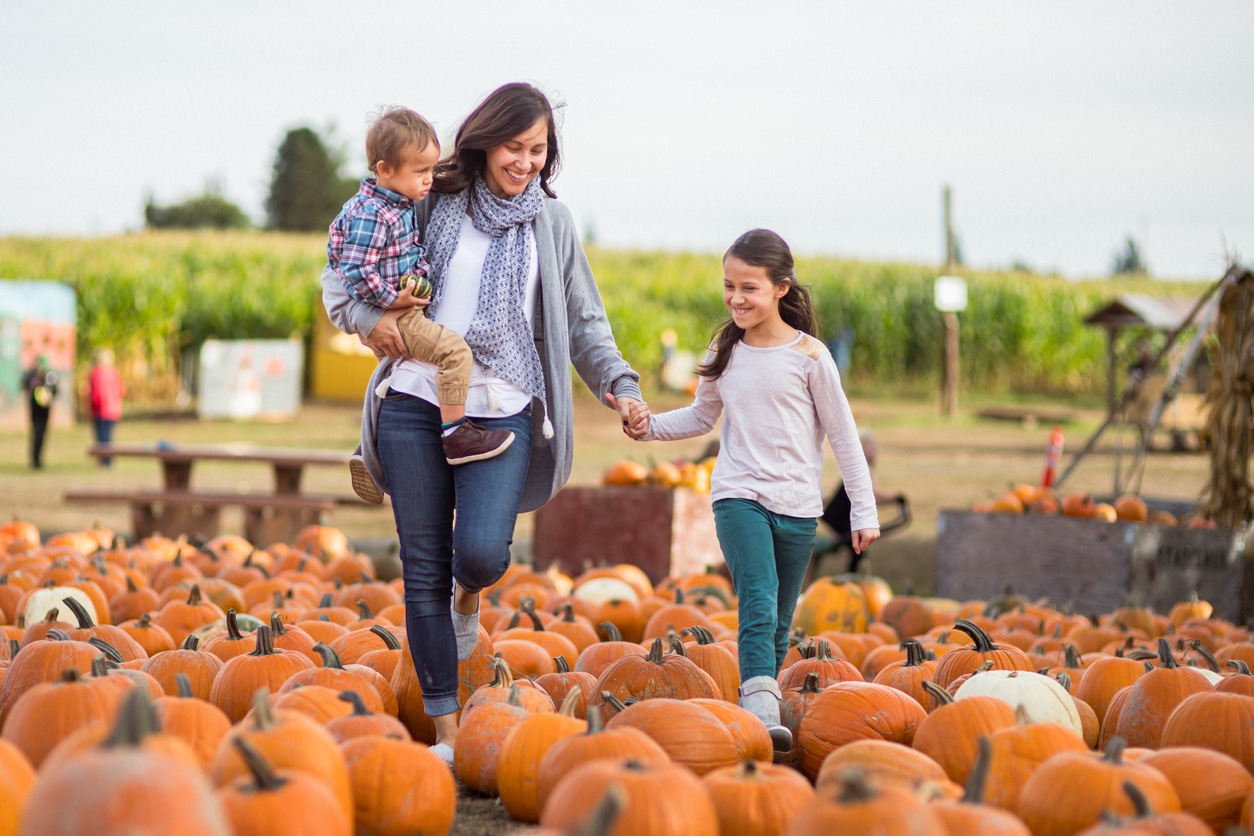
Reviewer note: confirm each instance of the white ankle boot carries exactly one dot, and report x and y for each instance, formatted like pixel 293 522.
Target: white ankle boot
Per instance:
pixel 760 696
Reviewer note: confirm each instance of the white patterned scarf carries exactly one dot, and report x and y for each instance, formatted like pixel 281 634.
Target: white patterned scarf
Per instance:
pixel 499 336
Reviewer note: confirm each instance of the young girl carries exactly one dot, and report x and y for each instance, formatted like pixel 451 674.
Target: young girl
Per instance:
pixel 780 395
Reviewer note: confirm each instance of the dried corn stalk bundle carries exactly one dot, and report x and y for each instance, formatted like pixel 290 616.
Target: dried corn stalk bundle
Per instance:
pixel 1230 423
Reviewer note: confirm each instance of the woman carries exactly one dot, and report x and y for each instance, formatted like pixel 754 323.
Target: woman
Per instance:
pixel 511 277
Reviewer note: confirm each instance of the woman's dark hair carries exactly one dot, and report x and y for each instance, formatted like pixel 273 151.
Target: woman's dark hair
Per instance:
pixel 763 248
pixel 506 112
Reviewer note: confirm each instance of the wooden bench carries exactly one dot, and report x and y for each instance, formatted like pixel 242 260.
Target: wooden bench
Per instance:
pixel 267 518
pixel 176 508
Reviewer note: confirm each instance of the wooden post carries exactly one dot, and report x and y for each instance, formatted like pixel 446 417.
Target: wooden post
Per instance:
pixel 949 397
pixel 951 254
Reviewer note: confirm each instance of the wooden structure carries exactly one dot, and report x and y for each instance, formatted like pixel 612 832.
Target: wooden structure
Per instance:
pixel 177 508
pixel 1091 565
pixel 664 531
pixel 1135 310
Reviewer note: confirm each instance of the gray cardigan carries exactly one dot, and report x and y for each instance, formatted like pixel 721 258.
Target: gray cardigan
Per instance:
pixel 573 329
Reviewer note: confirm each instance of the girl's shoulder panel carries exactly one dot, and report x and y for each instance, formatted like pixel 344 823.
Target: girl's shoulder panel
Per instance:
pixel 810 346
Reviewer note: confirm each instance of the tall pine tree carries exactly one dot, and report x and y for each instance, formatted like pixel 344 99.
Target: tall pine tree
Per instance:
pixel 307 190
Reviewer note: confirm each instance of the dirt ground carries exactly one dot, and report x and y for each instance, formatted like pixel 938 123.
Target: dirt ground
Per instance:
pixel 937 462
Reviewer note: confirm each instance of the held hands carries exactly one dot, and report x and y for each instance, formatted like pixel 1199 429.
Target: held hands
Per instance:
pixel 634 413
pixel 864 537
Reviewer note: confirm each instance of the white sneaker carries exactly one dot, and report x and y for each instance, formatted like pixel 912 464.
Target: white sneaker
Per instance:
pixel 444 752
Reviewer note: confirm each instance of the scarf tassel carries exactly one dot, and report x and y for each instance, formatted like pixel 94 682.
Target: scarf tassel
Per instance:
pixel 547 427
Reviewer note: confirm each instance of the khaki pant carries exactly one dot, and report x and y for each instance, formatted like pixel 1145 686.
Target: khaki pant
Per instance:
pixel 432 343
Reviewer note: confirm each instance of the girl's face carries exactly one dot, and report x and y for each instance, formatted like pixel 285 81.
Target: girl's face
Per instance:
pixel 750 295
pixel 412 177
pixel 512 165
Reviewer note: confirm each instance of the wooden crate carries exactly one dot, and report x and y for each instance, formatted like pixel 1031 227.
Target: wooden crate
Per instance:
pixel 1095 566
pixel 664 531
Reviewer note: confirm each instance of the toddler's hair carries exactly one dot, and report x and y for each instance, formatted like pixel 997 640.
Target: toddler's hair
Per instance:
pixel 396 129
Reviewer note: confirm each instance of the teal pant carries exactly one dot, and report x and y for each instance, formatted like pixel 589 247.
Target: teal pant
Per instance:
pixel 767 554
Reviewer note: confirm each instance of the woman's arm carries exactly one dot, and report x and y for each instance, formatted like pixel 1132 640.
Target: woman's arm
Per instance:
pixel 374 326
pixel 593 352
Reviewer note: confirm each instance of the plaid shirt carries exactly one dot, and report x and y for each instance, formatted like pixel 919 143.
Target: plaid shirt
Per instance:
pixel 374 241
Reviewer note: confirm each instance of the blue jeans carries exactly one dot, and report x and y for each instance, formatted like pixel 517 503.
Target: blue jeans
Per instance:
pixel 767 554
pixel 104 435
pixel 426 491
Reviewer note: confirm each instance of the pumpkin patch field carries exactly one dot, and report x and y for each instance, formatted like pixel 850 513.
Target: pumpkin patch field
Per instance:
pixel 226 687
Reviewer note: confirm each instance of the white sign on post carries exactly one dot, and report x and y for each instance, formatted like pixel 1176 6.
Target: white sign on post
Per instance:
pixel 950 293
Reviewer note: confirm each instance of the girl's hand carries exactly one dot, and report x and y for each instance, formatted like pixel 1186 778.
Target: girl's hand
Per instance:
pixel 864 537
pixel 385 340
pixel 634 414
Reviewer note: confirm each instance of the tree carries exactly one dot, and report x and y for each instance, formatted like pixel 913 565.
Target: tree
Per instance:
pixel 307 190
pixel 1129 260
pixel 209 211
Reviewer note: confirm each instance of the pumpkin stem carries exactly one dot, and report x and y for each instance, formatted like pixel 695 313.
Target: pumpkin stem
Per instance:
pixel 145 621
pixel 80 612
pixel 130 585
pixel 232 626
pixel 811 683
pixel 595 721
pixel 193 596
pixel 611 631
pixel 677 647
pixel 823 651
pixel 1114 750
pixel 136 720
pixel 184 686
pixel 854 787
pixel 1071 656
pixel 330 659
pixel 938 694
pixel 1064 679
pixel 977 780
pixel 327 600
pixel 363 610
pixel 528 606
pixel 1166 658
pixel 354 699
pixel 502 677
pixel 263 716
pixel 1140 804
pixel 265 779
pixel 562 665
pixel 571 701
pixel 983 644
pixel 612 701
pixel 515 695
pixel 110 652
pixel 915 653
pixel 1241 667
pixel 192 642
pixel 71 675
pixel 58 635
pixel 265 642
pixel 655 652
pixel 1200 649
pixel 15 646
pixel 389 638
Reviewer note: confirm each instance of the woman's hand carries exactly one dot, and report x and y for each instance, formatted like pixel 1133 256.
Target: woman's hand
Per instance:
pixel 864 537
pixel 385 339
pixel 634 413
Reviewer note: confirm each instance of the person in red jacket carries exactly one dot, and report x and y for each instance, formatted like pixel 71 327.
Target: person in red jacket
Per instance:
pixel 106 391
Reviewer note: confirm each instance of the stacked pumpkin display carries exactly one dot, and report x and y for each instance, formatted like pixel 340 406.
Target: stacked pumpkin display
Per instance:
pixel 665 474
pixel 1029 499
pixel 239 690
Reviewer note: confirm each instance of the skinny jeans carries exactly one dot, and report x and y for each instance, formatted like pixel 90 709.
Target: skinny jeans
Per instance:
pixel 767 554
pixel 427 494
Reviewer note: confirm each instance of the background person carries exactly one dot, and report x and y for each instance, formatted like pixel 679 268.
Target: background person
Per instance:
pixel 40 384
pixel 511 277
pixel 105 391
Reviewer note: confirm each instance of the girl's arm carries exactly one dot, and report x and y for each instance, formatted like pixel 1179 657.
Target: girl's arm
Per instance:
pixel 689 421
pixel 836 418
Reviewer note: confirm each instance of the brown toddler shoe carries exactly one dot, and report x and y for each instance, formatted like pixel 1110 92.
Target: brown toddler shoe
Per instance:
pixel 363 484
pixel 472 443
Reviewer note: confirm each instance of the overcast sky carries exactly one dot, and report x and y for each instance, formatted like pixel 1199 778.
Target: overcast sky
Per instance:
pixel 1062 127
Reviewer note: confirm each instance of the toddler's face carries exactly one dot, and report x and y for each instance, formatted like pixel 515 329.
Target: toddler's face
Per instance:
pixel 412 177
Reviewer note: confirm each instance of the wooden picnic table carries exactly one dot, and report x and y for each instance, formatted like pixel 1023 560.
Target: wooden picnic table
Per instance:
pixel 177 508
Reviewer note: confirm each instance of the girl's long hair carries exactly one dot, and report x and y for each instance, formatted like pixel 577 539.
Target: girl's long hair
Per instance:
pixel 507 111
pixel 763 248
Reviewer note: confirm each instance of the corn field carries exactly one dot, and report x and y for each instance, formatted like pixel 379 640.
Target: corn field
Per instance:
pixel 152 296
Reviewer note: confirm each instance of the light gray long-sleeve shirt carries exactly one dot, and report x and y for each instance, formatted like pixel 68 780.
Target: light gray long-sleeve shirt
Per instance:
pixel 572 329
pixel 777 405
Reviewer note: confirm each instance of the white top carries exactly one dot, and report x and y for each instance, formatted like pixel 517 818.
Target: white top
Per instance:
pixel 778 404
pixel 489 396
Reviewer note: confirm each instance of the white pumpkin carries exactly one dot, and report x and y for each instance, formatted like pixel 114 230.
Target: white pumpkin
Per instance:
pixel 53 597
pixel 603 589
pixel 1043 700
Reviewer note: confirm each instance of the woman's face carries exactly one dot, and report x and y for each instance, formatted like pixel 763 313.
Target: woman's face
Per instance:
pixel 512 165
